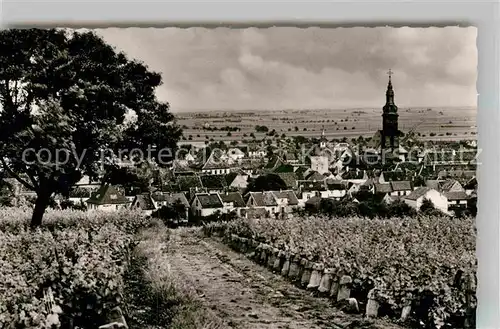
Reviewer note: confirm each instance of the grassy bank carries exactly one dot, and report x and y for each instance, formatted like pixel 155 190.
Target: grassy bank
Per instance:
pixel 156 297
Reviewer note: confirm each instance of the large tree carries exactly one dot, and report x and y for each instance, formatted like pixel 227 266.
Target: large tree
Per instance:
pixel 65 97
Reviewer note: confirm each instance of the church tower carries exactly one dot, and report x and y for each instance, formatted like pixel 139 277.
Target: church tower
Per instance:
pixel 322 143
pixel 390 132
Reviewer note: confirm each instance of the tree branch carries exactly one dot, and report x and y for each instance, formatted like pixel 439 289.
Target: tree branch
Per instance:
pixel 16 176
pixel 32 179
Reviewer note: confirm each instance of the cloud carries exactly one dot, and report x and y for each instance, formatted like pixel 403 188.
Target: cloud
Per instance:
pixel 305 68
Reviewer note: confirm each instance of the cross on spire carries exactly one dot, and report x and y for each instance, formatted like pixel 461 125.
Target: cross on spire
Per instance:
pixel 390 73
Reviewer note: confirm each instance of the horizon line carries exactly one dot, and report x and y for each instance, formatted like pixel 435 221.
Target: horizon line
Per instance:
pixel 317 109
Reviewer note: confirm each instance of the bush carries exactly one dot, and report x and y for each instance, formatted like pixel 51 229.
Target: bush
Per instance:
pixel 80 256
pixel 425 256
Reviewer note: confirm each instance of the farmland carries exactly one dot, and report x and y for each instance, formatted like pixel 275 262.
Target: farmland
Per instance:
pixel 445 123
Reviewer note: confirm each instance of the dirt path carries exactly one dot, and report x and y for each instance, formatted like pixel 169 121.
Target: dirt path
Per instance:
pixel 247 295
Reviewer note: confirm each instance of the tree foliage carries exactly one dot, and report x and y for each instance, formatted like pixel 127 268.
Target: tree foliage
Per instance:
pixel 65 96
pixel 269 182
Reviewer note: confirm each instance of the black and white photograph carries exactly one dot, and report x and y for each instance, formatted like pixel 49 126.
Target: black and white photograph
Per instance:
pixel 246 178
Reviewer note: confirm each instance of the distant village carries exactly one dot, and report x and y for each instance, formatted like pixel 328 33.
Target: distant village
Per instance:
pixel 280 177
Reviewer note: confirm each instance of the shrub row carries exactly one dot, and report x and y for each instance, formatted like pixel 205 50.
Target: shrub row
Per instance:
pixel 423 263
pixel 66 274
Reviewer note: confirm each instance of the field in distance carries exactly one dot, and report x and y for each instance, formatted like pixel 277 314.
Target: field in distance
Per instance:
pixel 443 123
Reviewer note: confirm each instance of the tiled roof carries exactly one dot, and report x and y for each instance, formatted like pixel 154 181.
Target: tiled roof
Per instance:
pixel 435 184
pixel 335 184
pixel 233 197
pixel 264 199
pixel 382 187
pixel 446 156
pixel 315 176
pixel 209 200
pixel 447 185
pixel 283 169
pixel 471 184
pixel 417 193
pixel 274 163
pixel 394 175
pixel 454 196
pixel 315 201
pixel 289 156
pixel 181 167
pixel 290 179
pixel 143 201
pixel 250 163
pixel 215 161
pixel 171 198
pixel 215 165
pixel 214 182
pixel 231 177
pixel 289 195
pixel 185 183
pixel 107 194
pixel 401 185
pixel 300 172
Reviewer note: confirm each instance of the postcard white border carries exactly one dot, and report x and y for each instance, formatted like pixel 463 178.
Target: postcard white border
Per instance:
pixel 482 14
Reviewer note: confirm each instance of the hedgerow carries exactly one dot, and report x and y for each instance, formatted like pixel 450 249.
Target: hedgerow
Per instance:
pixel 421 260
pixel 77 257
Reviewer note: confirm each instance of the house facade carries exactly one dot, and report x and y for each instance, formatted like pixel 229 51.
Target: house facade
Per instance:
pixel 263 200
pixel 107 198
pixel 232 202
pixel 417 197
pixel 206 204
pixel 287 201
pixel 320 164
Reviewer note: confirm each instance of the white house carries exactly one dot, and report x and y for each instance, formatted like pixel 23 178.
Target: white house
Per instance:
pixel 400 188
pixel 309 190
pixel 144 202
pixel 232 201
pixel 335 189
pixel 320 164
pixel 237 180
pixel 456 200
pixel 287 200
pixel 263 200
pixel 257 151
pixel 170 199
pixel 216 164
pixel 402 153
pixel 235 154
pixel 206 204
pixel 107 198
pixel 87 183
pixel 471 186
pixel 416 198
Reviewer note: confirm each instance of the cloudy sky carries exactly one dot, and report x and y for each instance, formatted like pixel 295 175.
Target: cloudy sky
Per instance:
pixel 292 68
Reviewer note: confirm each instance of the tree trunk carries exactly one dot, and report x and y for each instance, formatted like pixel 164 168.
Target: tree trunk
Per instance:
pixel 41 204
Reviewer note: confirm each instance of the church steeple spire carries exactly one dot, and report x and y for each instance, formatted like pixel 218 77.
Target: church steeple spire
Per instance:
pixel 322 141
pixel 390 130
pixel 389 94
